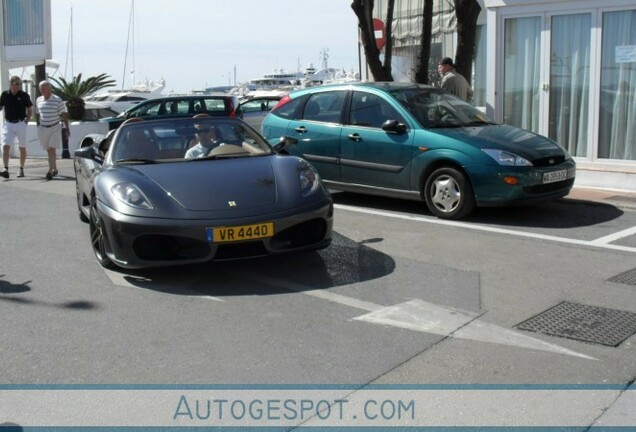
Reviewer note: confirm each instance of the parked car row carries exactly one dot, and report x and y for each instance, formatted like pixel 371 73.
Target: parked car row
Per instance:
pixel 166 188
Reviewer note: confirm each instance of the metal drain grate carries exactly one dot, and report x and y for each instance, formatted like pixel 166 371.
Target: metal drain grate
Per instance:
pixel 628 277
pixel 585 323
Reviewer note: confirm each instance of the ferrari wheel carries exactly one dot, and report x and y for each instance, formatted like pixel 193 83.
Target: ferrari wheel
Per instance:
pixel 449 194
pixel 98 237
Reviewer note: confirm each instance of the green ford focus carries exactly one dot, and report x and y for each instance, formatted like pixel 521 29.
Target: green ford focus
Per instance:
pixel 418 142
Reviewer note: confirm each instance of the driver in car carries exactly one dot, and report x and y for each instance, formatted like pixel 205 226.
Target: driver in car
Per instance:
pixel 206 141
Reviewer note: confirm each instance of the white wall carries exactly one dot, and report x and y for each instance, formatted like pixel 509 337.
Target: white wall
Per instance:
pixel 78 131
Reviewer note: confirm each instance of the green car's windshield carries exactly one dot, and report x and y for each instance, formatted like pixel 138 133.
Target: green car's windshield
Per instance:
pixel 434 108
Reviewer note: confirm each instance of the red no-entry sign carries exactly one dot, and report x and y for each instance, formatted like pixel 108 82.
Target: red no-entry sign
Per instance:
pixel 379 32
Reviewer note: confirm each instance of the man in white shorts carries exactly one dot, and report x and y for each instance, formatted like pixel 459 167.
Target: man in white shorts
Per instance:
pixel 18 109
pixel 49 110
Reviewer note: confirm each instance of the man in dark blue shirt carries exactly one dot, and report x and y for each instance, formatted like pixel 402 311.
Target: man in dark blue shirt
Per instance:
pixel 18 109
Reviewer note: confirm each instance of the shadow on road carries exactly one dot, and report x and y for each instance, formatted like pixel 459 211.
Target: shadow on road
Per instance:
pixel 7 287
pixel 561 213
pixel 345 262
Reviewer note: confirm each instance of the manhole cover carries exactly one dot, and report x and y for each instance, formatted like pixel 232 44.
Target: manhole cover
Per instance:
pixel 628 277
pixel 585 323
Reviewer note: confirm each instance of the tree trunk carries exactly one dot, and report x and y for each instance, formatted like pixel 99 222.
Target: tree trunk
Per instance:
pixel 421 70
pixel 388 48
pixel 364 11
pixel 466 12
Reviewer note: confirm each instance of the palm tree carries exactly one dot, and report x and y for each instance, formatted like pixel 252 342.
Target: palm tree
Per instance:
pixel 75 90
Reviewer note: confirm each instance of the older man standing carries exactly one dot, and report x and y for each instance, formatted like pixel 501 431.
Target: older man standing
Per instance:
pixel 49 110
pixel 18 109
pixel 452 81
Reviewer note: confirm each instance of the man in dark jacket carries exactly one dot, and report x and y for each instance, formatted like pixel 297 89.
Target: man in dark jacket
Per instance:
pixel 452 81
pixel 18 109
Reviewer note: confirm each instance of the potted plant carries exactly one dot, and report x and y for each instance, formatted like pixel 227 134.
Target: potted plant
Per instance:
pixel 75 90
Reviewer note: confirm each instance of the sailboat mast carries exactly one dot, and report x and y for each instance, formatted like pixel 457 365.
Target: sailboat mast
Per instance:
pixel 69 48
pixel 131 30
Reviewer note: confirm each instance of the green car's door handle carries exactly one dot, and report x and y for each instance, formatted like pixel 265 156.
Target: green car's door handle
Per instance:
pixel 301 129
pixel 354 137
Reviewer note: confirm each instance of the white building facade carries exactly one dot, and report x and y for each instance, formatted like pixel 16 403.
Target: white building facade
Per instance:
pixel 565 69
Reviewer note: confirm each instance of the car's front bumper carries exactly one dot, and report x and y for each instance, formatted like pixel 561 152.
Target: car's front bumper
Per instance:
pixel 492 189
pixel 137 242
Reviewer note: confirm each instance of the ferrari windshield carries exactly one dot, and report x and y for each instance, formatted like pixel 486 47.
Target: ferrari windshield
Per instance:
pixel 435 108
pixel 170 140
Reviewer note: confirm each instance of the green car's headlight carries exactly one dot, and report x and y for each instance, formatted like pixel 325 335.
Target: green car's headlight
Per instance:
pixel 507 158
pixel 131 195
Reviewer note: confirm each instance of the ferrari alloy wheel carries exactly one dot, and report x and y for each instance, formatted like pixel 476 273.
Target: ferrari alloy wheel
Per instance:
pixel 98 237
pixel 449 194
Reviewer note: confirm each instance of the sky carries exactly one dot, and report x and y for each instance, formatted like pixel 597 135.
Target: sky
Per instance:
pixel 194 44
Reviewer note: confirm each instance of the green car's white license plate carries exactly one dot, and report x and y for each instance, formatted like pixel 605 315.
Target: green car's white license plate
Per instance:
pixel 555 176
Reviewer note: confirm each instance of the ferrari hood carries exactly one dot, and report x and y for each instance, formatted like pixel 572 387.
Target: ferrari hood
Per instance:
pixel 508 138
pixel 209 185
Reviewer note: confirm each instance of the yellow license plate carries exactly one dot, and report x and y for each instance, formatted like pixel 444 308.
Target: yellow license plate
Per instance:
pixel 241 232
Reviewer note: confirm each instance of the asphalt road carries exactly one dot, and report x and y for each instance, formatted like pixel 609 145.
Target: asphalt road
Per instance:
pixel 400 298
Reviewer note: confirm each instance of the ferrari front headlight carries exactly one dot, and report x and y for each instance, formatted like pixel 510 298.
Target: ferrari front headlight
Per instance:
pixel 309 180
pixel 131 195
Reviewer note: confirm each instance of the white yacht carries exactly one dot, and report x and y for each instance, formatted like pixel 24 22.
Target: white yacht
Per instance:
pixel 120 100
pixel 278 79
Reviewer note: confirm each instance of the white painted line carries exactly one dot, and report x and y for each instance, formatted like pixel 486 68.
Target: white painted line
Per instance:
pixel 426 317
pixel 616 236
pixel 486 332
pixel 421 316
pixel 486 228
pixel 314 292
pixel 121 280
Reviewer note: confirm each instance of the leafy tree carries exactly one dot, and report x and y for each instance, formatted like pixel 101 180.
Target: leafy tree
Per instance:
pixel 364 11
pixel 466 12
pixel 75 90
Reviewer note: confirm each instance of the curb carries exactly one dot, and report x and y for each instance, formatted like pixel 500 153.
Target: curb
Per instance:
pixel 623 199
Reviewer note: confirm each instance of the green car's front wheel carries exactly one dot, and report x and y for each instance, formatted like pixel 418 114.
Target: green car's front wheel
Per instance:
pixel 449 194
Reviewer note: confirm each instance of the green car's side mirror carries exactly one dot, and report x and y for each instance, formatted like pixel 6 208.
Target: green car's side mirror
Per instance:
pixel 394 126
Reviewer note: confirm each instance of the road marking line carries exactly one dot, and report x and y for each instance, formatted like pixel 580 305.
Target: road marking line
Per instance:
pixel 314 292
pixel 486 228
pixel 122 280
pixel 425 317
pixel 616 236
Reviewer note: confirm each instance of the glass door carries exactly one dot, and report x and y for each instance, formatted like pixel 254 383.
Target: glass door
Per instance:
pixel 617 111
pixel 522 72
pixel 569 90
pixel 547 77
